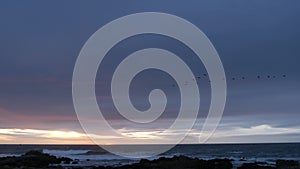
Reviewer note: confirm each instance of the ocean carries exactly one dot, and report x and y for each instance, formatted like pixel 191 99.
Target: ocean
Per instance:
pixel 91 155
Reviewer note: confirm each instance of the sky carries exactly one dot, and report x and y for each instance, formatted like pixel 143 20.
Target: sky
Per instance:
pixel 41 40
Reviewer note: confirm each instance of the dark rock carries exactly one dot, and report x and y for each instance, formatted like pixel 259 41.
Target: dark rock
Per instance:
pixel 280 164
pixel 34 159
pixel 177 162
pixel 75 162
pixel 143 161
pixel 287 164
pixel 65 160
pixel 256 165
pixel 33 153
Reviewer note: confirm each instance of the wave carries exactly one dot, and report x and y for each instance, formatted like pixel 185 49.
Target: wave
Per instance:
pixel 61 153
pixel 94 152
pixel 9 155
pixel 84 154
pixel 235 152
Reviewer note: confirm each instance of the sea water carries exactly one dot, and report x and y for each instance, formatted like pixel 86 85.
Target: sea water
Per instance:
pixel 91 155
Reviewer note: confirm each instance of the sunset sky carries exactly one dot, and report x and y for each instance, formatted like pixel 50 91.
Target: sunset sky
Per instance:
pixel 40 42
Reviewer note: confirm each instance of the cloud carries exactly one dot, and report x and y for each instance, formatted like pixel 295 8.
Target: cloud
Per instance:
pixel 140 134
pixel 38 136
pixel 42 133
pixel 264 133
pixel 19 119
pixel 5 138
pixel 264 129
pixel 223 135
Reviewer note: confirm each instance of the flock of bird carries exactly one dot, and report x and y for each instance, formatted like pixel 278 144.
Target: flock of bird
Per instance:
pixel 261 77
pixel 205 77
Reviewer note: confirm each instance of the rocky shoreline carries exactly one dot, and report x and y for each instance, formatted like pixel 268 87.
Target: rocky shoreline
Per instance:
pixel 38 160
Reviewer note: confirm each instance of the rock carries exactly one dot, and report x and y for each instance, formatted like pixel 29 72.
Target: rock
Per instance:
pixel 33 159
pixel 33 153
pixel 176 162
pixel 75 162
pixel 280 164
pixel 256 165
pixel 221 163
pixel 65 160
pixel 287 164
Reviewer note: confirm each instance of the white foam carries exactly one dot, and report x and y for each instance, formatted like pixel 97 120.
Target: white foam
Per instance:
pixel 9 155
pixel 62 153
